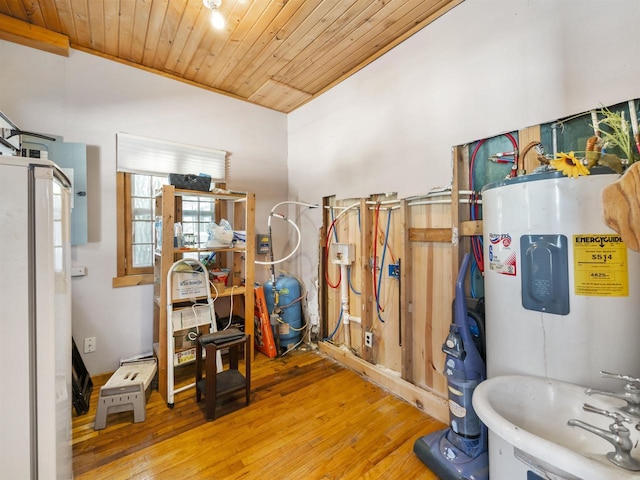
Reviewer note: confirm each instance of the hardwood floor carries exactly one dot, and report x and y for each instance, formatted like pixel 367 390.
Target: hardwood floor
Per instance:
pixel 309 418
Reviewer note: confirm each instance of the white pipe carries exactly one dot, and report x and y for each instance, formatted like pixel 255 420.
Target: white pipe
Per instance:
pixel 292 251
pixel 382 202
pixel 633 116
pixel 346 316
pixel 303 204
pixel 554 137
pixel 345 210
pixel 596 123
pixel 272 214
pixel 434 202
pixel 385 209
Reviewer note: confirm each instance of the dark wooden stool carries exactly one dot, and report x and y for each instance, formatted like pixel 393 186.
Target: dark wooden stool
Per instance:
pixel 218 384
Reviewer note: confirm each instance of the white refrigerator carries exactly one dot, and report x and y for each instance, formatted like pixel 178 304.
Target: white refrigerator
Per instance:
pixel 35 320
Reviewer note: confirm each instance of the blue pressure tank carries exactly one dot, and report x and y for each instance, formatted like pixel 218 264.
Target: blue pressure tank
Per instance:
pixel 286 297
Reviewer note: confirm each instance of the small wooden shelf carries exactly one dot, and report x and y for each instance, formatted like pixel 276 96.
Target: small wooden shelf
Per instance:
pixel 239 209
pixel 228 292
pixel 201 250
pixel 228 381
pixel 217 381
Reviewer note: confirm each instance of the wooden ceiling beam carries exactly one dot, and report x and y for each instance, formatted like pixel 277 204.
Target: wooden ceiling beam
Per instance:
pixel 33 36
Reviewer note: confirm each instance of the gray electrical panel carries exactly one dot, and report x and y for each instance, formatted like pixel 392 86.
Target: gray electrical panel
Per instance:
pixel 72 159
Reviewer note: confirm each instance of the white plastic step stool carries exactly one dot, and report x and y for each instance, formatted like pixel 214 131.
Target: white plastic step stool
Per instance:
pixel 126 390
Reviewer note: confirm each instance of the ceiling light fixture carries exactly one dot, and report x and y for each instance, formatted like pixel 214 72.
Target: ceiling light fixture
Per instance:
pixel 217 20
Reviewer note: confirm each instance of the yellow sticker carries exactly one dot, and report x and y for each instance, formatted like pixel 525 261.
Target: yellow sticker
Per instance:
pixel 600 265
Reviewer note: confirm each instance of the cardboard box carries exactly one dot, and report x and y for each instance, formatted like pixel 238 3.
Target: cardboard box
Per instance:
pixel 191 317
pixel 187 285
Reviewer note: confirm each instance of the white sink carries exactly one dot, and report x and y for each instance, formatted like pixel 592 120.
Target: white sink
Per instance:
pixel 531 414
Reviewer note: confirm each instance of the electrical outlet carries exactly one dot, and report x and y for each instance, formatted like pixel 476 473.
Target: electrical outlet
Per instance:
pixel 394 270
pixel 89 344
pixel 368 339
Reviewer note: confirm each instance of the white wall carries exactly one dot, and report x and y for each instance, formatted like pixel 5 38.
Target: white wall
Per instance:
pixel 88 99
pixel 485 67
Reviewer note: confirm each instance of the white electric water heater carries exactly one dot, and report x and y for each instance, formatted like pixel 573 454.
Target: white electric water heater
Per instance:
pixel 561 288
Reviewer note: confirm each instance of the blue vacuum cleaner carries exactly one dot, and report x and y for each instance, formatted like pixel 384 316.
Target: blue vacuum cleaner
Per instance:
pixel 460 451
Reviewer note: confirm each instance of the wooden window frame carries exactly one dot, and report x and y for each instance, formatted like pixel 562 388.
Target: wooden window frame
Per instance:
pixel 127 275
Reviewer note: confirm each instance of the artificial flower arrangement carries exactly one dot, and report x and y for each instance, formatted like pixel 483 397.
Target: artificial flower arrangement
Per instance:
pixel 618 135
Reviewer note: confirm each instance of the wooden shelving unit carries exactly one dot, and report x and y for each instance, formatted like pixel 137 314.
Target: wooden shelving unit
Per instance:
pixel 239 209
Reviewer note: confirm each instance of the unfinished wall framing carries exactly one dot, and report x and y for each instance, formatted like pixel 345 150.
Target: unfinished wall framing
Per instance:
pixel 400 284
pixel 426 237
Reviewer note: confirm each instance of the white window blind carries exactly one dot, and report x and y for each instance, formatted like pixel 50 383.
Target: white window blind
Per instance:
pixel 135 154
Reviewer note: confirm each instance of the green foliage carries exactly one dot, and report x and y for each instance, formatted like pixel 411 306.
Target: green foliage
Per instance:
pixel 618 132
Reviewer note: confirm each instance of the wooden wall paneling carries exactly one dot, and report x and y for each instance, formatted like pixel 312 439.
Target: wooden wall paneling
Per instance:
pixel 108 31
pixel 278 96
pixel 419 297
pixel 65 14
pixel 293 22
pixel 267 49
pixel 213 42
pixel 440 296
pixel 323 288
pixel 265 13
pixel 433 404
pixel 153 32
pixel 34 15
pixel 33 36
pixel 330 37
pixel 430 234
pixel 125 28
pixel 405 286
pixel 140 28
pixel 167 239
pixel 355 300
pixel 81 21
pixel 467 227
pixel 386 339
pixel 170 24
pixel 326 16
pixel 460 182
pixel 121 208
pixel 441 291
pixel 98 15
pixel 250 227
pixel 526 136
pixel 383 24
pixel 195 21
pixel 49 16
pixel 431 295
pixel 368 310
pixel 235 44
pixel 332 276
pixel 346 230
pixel 235 262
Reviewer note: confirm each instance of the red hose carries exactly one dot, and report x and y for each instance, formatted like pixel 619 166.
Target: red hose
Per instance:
pixel 476 247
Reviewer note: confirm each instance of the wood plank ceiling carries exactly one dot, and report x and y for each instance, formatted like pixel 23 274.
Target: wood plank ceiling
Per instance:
pixel 274 53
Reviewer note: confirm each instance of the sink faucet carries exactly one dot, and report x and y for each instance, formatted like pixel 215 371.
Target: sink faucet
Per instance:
pixel 618 435
pixel 631 392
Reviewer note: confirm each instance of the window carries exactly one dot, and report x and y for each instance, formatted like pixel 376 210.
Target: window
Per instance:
pixel 197 214
pixel 142 207
pixel 143 166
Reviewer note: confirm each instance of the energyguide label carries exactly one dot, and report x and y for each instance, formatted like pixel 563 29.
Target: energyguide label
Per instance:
pixel 600 265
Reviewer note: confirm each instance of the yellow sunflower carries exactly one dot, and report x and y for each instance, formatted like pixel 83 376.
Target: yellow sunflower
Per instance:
pixel 569 165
